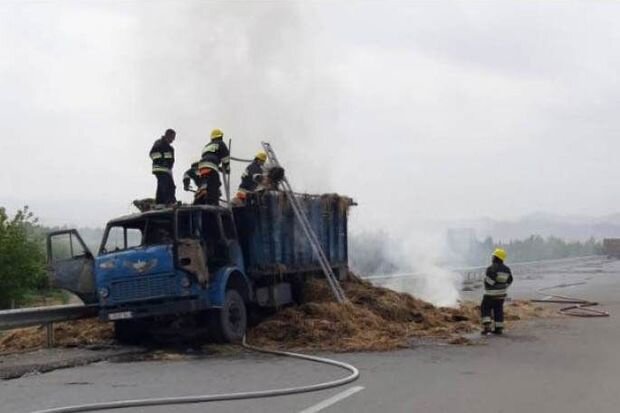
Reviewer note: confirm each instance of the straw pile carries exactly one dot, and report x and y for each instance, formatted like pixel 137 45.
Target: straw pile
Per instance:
pixel 375 319
pixel 68 334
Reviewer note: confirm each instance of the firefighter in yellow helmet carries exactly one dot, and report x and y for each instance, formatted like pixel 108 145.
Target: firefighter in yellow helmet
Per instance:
pixel 251 178
pixel 496 282
pixel 215 157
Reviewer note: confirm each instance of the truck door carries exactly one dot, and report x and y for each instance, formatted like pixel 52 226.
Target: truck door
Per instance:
pixel 190 250
pixel 71 264
pixel 235 255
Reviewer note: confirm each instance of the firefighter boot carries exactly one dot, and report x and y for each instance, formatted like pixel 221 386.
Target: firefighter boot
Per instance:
pixel 486 329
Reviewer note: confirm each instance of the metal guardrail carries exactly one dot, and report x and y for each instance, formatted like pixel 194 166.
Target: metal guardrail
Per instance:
pixel 26 317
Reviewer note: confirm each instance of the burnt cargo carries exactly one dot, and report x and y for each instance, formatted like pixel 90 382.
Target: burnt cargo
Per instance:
pixel 273 241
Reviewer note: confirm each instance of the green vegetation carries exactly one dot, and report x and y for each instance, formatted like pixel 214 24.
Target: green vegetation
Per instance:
pixel 22 257
pixel 533 248
pixel 537 248
pixel 23 278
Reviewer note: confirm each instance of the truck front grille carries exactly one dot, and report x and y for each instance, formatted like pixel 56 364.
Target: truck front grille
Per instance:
pixel 143 287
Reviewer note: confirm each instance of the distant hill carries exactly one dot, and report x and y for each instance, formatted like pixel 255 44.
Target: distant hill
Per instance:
pixel 573 228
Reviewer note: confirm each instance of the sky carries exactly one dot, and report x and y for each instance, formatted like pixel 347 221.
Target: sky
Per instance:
pixel 420 110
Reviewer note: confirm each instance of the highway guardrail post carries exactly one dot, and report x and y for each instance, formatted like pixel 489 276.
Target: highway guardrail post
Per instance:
pixel 50 334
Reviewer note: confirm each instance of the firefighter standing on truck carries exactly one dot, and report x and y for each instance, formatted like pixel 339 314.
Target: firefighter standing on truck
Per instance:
pixel 251 178
pixel 214 153
pixel 162 155
pixel 496 282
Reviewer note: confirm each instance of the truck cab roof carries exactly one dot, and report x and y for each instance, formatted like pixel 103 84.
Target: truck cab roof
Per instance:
pixel 170 210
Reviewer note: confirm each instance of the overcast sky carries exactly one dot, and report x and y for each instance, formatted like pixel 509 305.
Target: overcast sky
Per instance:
pixel 419 110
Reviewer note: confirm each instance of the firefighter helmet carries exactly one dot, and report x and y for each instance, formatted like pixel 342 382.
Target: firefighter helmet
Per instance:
pixel 261 156
pixel 217 133
pixel 500 253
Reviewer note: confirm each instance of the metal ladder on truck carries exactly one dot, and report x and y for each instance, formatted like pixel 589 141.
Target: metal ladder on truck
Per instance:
pixel 334 285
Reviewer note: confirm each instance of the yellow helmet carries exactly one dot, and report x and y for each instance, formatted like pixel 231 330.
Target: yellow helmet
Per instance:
pixel 500 253
pixel 261 156
pixel 217 133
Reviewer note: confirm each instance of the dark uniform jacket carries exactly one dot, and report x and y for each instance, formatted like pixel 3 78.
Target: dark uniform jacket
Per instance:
pixel 162 155
pixel 251 177
pixel 215 153
pixel 498 279
pixel 191 175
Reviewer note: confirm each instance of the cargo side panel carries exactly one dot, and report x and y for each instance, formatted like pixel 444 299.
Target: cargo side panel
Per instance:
pixel 273 241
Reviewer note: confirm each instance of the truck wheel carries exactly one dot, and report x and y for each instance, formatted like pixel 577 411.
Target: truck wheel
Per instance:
pixel 129 331
pixel 228 324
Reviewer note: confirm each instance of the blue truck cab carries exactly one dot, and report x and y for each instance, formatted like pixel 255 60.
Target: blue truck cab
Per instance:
pixel 204 265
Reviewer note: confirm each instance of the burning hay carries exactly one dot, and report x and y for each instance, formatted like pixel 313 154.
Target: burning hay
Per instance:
pixel 374 319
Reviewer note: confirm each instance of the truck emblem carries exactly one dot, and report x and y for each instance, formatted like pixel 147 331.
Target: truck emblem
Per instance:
pixel 141 266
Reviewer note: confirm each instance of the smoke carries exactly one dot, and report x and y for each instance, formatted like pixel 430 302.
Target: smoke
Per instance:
pixel 422 254
pixel 405 106
pixel 249 68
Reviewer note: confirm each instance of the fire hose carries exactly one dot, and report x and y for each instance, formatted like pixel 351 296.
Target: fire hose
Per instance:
pixel 123 404
pixel 578 307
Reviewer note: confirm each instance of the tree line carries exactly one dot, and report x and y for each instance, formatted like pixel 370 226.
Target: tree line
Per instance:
pixel 379 253
pixel 22 257
pixel 473 252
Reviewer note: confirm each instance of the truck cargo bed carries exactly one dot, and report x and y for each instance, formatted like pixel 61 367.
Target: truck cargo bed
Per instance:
pixel 273 241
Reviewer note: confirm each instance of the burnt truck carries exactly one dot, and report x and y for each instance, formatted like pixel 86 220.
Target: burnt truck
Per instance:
pixel 201 266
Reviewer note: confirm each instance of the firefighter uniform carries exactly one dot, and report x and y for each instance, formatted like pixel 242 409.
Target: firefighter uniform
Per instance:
pixel 214 154
pixel 252 176
pixel 191 175
pixel 162 155
pixel 496 282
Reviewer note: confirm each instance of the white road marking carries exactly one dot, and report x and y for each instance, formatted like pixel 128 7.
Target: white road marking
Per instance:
pixel 332 400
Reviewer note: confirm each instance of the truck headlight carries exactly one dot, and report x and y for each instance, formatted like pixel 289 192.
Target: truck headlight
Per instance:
pixel 107 265
pixel 185 282
pixel 104 292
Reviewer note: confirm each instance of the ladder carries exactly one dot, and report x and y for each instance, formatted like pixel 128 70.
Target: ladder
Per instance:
pixel 334 285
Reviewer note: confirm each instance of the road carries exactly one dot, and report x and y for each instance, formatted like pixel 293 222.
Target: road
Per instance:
pixel 557 365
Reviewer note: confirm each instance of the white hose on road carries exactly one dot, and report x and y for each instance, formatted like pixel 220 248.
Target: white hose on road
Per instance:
pixel 123 404
pixel 579 307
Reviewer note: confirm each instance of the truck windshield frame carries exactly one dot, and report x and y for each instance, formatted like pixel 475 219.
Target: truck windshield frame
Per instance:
pixel 154 228
pixel 163 228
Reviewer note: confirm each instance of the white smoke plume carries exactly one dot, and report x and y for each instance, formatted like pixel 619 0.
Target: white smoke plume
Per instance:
pixel 420 255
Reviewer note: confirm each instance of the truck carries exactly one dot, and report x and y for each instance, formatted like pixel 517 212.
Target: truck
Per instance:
pixel 611 247
pixel 201 266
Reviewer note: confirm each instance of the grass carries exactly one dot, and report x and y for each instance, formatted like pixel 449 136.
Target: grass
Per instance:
pixel 44 298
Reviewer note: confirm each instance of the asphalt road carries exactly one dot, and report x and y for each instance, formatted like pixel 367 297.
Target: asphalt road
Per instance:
pixel 558 365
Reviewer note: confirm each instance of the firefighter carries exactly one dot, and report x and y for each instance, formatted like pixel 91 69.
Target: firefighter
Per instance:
pixel 214 154
pixel 162 155
pixel 496 282
pixel 251 178
pixel 191 175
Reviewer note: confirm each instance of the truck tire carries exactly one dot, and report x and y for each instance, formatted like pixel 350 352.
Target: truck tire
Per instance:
pixel 228 324
pixel 130 331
